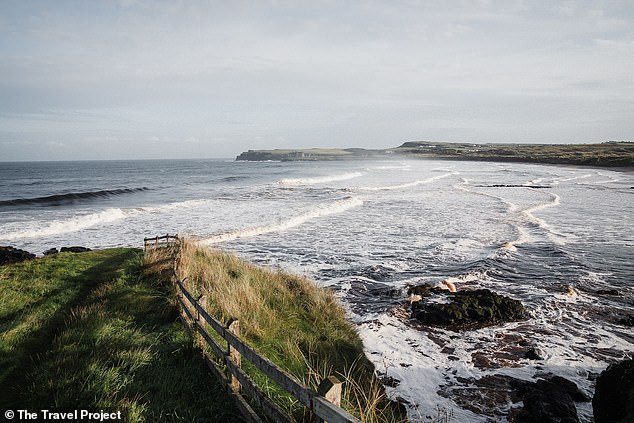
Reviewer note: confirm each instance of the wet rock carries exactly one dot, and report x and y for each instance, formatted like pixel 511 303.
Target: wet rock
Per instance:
pixel 549 400
pixel 389 381
pixel 627 320
pixel 548 407
pixel 534 353
pixel 478 308
pixel 50 251
pixel 9 255
pixel 614 394
pixel 75 249
pixel 614 292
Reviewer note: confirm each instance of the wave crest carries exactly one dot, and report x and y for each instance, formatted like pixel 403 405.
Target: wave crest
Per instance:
pixel 319 179
pixel 321 210
pixel 53 200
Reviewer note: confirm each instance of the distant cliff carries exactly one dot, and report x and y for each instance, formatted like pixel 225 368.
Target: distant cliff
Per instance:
pixel 311 154
pixel 607 154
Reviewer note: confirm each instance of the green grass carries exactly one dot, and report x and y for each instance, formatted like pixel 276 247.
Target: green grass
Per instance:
pixel 99 330
pixel 291 321
pixel 610 154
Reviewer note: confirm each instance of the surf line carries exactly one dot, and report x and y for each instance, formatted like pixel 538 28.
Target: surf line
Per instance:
pixel 319 179
pixel 409 184
pixel 321 210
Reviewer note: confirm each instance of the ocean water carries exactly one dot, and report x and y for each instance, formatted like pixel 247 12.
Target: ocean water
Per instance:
pixel 550 236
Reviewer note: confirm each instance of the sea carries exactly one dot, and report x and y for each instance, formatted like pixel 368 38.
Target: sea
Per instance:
pixel 558 238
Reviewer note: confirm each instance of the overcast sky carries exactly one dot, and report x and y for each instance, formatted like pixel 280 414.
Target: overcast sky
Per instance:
pixel 173 79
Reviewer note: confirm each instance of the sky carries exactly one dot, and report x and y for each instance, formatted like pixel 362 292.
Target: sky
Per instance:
pixel 133 79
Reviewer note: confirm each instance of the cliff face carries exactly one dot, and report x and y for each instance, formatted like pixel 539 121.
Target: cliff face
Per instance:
pixel 310 154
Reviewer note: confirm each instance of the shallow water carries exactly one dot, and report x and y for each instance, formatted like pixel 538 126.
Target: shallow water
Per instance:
pixel 549 236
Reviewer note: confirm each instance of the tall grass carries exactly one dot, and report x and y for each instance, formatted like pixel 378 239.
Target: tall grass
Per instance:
pixel 291 321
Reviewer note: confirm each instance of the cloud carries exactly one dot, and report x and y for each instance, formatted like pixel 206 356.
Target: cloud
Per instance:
pixel 369 72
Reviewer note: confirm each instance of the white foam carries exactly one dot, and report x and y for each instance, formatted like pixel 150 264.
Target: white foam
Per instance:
pixel 400 167
pixel 319 179
pixel 73 224
pixel 409 184
pixel 574 178
pixel 412 358
pixel 181 205
pixel 321 210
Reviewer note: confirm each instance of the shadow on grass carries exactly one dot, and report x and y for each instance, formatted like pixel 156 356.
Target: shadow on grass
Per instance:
pixel 17 362
pixel 115 344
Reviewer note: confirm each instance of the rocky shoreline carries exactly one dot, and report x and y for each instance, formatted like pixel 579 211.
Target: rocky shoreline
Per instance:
pixel 546 398
pixel 11 255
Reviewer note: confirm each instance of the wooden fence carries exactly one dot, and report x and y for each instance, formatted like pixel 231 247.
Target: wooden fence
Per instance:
pixel 323 405
pixel 159 241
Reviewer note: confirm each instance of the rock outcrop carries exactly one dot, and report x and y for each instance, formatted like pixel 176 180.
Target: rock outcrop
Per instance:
pixel 549 400
pixel 482 307
pixel 613 400
pixel 9 255
pixel 75 249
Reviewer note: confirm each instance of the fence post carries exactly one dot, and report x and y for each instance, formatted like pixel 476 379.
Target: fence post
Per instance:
pixel 233 326
pixel 329 388
pixel 156 242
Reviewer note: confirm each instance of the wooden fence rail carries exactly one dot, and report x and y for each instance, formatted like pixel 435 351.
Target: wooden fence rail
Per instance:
pixel 159 241
pixel 321 408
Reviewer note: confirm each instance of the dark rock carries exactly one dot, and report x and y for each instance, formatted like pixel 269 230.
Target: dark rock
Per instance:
pixel 389 381
pixel 627 320
pixel 614 394
pixel 481 307
pixel 561 384
pixel 548 407
pixel 9 255
pixel 75 249
pixel 609 292
pixel 425 290
pixel 548 400
pixel 534 353
pixel 51 251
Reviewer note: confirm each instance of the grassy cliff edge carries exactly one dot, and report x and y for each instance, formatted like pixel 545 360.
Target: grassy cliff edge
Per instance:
pixel 100 331
pixel 291 321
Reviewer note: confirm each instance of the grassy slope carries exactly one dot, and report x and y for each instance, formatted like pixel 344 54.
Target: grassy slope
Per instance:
pixel 605 154
pixel 91 331
pixel 291 321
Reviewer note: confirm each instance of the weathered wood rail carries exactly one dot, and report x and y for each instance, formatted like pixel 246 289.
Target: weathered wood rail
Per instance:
pixel 159 241
pixel 323 405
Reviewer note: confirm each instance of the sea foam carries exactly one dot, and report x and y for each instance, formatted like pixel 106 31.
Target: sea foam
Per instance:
pixel 73 224
pixel 319 179
pixel 409 184
pixel 321 210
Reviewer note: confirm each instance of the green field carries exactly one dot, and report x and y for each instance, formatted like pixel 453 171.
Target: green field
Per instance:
pixel 99 331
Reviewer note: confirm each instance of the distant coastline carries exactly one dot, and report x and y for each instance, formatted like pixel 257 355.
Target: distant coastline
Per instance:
pixel 607 154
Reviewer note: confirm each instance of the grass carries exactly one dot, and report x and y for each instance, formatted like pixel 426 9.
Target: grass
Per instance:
pixel 99 331
pixel 291 321
pixel 608 154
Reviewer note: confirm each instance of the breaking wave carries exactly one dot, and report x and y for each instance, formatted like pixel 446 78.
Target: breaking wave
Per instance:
pixel 74 224
pixel 321 210
pixel 409 184
pixel 53 200
pixel 319 179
